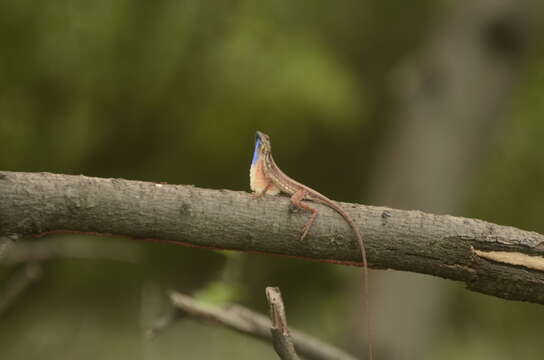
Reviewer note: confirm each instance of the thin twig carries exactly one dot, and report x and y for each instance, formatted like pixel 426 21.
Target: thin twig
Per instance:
pixel 281 338
pixel 257 325
pixel 75 247
pixel 6 244
pixel 164 322
pixel 18 284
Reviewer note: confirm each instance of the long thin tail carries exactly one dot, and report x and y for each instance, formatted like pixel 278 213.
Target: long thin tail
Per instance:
pixel 359 236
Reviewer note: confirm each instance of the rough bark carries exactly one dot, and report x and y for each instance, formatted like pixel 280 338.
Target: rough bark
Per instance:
pixel 497 260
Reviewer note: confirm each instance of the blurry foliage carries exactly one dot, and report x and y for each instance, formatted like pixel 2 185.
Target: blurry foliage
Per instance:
pixel 509 192
pixel 173 91
pixel 510 188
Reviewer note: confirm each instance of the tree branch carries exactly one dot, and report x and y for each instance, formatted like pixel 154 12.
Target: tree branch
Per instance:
pixel 6 244
pixel 79 248
pixel 36 204
pixel 281 337
pixel 249 322
pixel 18 284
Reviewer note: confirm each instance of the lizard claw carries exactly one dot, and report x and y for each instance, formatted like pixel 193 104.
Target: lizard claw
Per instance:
pixel 256 195
pixel 305 230
pixel 293 209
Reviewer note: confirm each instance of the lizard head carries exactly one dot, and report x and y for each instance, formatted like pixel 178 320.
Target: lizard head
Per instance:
pixel 262 146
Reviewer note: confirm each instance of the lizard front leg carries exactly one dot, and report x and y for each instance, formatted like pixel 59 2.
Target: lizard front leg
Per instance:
pixel 259 194
pixel 296 200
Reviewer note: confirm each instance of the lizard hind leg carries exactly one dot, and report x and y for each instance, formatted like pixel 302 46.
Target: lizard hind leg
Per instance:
pixel 296 200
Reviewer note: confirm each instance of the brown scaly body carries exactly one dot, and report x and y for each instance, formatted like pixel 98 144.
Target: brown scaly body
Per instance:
pixel 267 178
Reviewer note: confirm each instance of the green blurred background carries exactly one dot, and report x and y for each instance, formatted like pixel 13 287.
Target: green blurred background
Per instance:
pixel 173 91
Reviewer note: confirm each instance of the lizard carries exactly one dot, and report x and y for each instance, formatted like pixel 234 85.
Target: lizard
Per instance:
pixel 266 178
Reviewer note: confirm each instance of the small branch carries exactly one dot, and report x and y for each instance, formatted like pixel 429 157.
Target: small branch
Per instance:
pixel 19 282
pixel 280 331
pixel 6 244
pixel 77 247
pixel 165 321
pixel 37 204
pixel 251 323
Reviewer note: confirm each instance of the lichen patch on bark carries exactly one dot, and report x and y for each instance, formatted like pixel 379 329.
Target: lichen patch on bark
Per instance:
pixel 513 258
